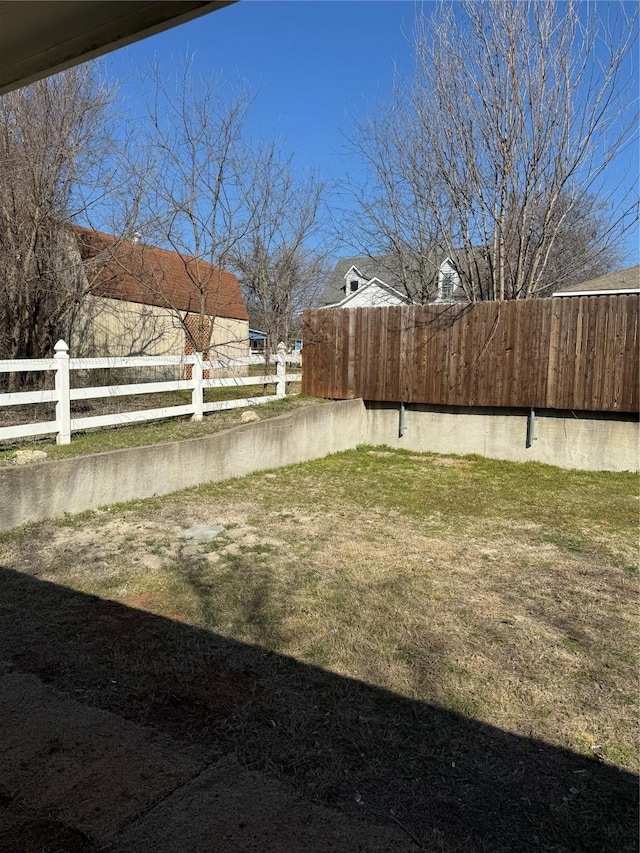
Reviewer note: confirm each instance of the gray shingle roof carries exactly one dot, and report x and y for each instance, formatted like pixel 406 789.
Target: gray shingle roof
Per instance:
pixel 370 267
pixel 621 280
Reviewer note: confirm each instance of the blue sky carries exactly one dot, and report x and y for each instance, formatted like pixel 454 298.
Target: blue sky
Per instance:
pixel 311 65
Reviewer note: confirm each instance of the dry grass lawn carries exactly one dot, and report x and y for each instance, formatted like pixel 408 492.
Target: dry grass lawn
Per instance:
pixel 504 594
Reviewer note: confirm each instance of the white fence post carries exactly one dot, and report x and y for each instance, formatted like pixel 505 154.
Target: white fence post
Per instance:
pixel 63 401
pixel 197 394
pixel 281 370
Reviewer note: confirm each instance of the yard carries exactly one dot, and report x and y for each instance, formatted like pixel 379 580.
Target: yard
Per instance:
pixel 444 644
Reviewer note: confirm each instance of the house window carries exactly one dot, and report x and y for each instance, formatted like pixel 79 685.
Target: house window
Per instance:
pixel 447 286
pixel 354 285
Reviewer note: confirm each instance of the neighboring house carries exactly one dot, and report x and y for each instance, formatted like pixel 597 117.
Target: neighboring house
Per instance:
pixel 145 300
pixel 621 282
pixel 372 281
pixel 257 341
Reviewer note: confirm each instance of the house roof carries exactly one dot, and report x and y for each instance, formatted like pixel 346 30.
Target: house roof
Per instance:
pixel 373 283
pixel 385 269
pixel 136 272
pixel 369 267
pixel 622 280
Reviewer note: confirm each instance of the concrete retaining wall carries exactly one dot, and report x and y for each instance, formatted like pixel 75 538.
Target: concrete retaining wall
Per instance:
pixel 603 443
pixel 49 489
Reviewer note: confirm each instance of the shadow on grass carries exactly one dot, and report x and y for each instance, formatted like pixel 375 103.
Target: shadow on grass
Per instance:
pixel 454 783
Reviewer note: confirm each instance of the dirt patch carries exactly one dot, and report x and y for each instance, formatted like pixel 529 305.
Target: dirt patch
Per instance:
pixel 217 690
pixel 448 462
pixel 23 457
pixel 155 602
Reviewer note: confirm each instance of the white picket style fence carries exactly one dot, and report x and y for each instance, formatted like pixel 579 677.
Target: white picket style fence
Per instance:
pixel 62 395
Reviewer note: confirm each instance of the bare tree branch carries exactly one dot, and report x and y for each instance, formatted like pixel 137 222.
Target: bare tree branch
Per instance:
pixel 56 149
pixel 498 151
pixel 280 272
pixel 192 166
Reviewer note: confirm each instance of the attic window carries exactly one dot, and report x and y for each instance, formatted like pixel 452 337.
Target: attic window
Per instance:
pixel 354 285
pixel 448 285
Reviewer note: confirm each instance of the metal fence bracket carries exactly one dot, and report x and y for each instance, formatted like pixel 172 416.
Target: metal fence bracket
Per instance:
pixel 531 427
pixel 402 425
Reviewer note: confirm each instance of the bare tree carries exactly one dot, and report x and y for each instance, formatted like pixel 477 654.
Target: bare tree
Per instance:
pixel 55 147
pixel 281 262
pixel 392 220
pixel 193 166
pixel 499 151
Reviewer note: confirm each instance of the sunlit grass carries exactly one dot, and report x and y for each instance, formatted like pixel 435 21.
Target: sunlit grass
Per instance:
pixel 500 590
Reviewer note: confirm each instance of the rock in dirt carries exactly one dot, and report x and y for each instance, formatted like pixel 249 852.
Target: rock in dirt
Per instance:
pixel 23 457
pixel 152 562
pixel 248 417
pixel 202 532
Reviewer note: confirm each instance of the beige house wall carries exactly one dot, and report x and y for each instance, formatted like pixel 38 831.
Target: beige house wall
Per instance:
pixel 117 328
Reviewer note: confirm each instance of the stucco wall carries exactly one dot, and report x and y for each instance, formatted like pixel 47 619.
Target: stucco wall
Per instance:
pixel 49 489
pixel 116 327
pixel 590 442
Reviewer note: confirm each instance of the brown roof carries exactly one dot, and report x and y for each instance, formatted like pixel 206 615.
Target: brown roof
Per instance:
pixel 136 272
pixel 622 280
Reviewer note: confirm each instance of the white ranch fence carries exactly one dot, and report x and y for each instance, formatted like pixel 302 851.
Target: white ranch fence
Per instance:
pixel 62 394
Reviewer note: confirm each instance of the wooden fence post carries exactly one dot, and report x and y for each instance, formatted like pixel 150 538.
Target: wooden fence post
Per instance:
pixel 197 394
pixel 63 394
pixel 281 370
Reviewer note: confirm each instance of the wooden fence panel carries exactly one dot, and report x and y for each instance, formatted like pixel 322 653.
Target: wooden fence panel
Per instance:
pixel 630 391
pixel 561 353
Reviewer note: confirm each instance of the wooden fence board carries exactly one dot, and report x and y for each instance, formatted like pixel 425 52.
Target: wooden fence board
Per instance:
pixel 563 353
pixel 392 365
pixel 572 384
pixel 541 372
pixel 594 337
pixel 631 365
pixel 341 353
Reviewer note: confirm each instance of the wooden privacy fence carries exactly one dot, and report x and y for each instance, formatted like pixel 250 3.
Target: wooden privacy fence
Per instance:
pixel 557 353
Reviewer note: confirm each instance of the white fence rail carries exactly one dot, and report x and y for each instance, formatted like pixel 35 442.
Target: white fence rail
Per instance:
pixel 62 395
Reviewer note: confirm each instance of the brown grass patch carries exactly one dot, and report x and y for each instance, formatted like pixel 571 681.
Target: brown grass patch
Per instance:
pixel 511 631
pixel 450 462
pixel 379 567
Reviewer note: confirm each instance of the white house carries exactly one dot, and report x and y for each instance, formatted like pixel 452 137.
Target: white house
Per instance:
pixel 363 292
pixel 448 282
pixel 366 282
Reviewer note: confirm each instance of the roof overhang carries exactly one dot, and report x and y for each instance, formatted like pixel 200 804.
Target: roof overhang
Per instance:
pixel 353 270
pixel 41 38
pixel 621 292
pixel 373 282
